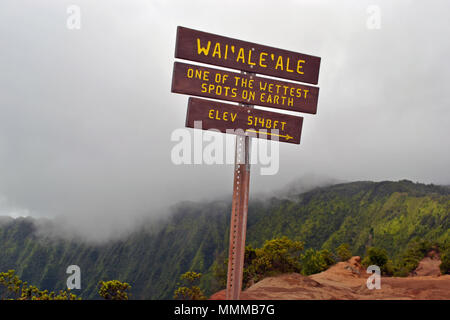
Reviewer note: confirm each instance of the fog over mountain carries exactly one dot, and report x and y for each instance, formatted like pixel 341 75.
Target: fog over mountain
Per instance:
pixel 86 116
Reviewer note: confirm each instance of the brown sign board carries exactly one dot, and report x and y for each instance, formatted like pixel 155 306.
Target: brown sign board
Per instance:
pixel 246 56
pixel 243 88
pixel 233 119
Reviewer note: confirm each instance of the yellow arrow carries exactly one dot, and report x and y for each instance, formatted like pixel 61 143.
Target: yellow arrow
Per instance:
pixel 286 136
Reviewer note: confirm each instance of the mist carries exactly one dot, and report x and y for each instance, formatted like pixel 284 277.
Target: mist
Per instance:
pixel 86 115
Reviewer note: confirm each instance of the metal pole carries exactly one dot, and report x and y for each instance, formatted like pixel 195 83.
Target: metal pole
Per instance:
pixel 238 225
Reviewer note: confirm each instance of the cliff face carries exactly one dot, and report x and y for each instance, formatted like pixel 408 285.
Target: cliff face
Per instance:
pixel 195 234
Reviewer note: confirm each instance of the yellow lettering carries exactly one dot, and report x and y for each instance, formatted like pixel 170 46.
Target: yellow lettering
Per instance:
pixel 241 55
pixel 261 122
pixel 278 88
pixel 275 99
pixel 262 86
pixel 201 49
pixel 290 102
pixel 287 66
pixel 299 66
pixel 210 114
pixel 217 50
pixel 261 59
pixel 250 58
pixel 279 63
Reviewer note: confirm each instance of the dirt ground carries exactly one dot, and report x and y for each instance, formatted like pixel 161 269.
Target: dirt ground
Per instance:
pixel 347 280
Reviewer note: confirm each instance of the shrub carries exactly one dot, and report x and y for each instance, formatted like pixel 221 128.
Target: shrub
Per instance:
pixel 13 288
pixel 113 290
pixel 416 250
pixel 445 264
pixel 314 261
pixel 343 252
pixel 376 256
pixel 190 291
pixel 279 255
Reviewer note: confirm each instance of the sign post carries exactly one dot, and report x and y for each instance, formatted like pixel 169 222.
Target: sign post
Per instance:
pixel 245 121
pixel 238 223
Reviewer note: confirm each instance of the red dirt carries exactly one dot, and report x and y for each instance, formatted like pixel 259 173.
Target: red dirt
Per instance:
pixel 429 266
pixel 347 280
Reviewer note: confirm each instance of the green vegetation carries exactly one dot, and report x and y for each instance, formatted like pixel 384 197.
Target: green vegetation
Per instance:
pixel 385 215
pixel 409 260
pixel 190 291
pixel 275 257
pixel 445 265
pixel 15 289
pixel 376 256
pixel 113 290
pixel 445 258
pixel 315 261
pixel 12 288
pixel 343 252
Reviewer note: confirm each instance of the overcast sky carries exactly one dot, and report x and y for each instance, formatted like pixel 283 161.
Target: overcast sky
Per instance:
pixel 86 115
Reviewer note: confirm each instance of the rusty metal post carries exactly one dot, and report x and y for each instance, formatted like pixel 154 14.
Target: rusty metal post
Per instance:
pixel 238 224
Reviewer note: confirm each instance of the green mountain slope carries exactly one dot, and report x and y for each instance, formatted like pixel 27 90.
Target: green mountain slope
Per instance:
pixel 384 214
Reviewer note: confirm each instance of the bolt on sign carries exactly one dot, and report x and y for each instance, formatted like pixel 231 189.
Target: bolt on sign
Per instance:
pixel 228 118
pixel 245 122
pixel 243 88
pixel 246 56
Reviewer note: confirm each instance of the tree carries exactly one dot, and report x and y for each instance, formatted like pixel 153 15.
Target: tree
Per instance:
pixel 314 261
pixel 344 252
pixel 190 291
pixel 220 269
pixel 279 255
pixel 376 256
pixel 16 289
pixel 416 250
pixel 113 290
pixel 445 262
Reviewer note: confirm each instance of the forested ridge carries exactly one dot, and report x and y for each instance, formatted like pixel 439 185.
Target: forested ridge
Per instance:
pixel 386 215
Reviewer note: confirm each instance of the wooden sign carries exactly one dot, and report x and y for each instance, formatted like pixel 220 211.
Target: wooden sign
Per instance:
pixel 228 118
pixel 247 56
pixel 243 88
